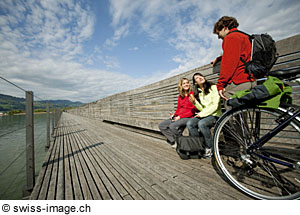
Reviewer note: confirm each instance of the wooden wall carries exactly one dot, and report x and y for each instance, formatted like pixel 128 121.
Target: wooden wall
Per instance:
pixel 147 106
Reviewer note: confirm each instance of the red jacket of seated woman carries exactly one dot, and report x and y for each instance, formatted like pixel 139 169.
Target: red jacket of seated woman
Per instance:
pixel 185 108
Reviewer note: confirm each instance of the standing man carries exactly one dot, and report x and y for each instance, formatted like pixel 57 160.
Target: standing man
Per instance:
pixel 236 46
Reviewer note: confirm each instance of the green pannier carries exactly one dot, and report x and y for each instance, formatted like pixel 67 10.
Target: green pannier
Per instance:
pixel 270 94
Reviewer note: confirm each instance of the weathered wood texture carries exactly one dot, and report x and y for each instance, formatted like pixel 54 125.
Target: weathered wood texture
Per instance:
pixel 30 169
pixel 90 159
pixel 147 106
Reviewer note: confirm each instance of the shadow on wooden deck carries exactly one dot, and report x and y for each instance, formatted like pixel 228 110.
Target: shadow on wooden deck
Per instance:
pixel 94 160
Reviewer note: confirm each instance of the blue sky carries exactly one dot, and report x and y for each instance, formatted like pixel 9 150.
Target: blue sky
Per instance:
pixel 87 50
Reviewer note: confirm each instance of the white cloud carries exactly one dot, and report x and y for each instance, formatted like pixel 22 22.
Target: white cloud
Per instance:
pixel 42 42
pixel 119 33
pixel 134 48
pixel 39 47
pixel 187 25
pixel 111 62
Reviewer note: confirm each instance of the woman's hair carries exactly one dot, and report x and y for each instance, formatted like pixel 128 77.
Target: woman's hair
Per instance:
pixel 225 21
pixel 207 85
pixel 180 88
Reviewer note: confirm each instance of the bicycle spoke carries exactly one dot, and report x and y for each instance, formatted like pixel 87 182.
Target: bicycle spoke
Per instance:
pixel 284 185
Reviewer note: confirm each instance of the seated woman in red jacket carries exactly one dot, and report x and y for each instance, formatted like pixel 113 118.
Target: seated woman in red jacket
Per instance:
pixel 173 128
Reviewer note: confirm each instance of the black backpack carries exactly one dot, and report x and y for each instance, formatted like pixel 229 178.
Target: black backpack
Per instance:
pixel 263 54
pixel 190 147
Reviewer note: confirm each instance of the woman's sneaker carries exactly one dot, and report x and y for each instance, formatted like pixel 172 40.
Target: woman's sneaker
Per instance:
pixel 174 146
pixel 207 153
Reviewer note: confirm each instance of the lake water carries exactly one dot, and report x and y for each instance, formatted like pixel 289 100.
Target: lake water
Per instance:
pixel 13 155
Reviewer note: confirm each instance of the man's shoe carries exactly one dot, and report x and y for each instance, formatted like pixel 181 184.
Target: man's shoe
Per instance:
pixel 208 153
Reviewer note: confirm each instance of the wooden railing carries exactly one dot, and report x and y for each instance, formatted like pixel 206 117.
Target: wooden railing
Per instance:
pixel 147 106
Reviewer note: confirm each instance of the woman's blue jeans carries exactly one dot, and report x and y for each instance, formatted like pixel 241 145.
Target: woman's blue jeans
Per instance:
pixel 204 125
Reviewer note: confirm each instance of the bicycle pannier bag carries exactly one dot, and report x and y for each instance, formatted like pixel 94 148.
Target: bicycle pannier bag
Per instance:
pixel 270 94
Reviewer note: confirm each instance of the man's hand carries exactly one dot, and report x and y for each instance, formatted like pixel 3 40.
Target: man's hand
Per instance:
pixel 221 93
pixel 213 62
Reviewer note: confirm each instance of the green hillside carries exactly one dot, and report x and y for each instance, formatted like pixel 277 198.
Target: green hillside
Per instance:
pixel 10 103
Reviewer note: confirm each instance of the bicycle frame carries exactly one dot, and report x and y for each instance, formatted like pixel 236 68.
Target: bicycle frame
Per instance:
pixel 260 142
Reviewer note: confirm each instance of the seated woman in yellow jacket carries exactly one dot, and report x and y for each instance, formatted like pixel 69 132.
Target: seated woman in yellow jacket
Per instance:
pixel 207 101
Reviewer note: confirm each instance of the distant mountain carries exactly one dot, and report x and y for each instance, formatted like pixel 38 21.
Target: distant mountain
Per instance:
pixel 8 103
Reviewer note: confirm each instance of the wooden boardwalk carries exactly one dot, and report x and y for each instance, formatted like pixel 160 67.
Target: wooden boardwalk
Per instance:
pixel 94 160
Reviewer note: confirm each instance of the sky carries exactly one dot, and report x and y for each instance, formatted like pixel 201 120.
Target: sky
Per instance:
pixel 85 50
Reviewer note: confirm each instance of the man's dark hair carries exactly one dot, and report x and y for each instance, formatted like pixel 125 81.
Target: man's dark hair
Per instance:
pixel 225 21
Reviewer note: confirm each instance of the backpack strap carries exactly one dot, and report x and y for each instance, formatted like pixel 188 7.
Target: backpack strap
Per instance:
pixel 239 32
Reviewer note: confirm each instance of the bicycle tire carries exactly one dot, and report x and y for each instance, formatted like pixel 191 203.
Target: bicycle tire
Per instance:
pixel 247 171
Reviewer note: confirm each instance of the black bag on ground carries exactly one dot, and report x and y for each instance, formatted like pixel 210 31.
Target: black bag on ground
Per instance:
pixel 189 147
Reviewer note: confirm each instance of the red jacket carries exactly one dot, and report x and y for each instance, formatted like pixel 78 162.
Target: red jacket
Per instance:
pixel 185 109
pixel 235 46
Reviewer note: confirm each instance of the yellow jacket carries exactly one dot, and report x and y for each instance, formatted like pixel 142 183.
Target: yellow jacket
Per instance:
pixel 209 104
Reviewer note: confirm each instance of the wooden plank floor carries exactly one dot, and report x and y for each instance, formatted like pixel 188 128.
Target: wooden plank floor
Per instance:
pixel 94 160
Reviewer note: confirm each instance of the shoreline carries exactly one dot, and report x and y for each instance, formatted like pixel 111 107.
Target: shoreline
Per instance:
pixel 22 114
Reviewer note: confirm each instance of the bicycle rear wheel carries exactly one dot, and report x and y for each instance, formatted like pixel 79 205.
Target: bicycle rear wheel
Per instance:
pixel 250 171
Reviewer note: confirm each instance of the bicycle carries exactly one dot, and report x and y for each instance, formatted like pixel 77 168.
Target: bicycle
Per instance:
pixel 258 149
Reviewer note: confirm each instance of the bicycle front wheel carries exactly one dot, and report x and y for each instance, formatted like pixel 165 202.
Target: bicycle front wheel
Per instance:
pixel 262 173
